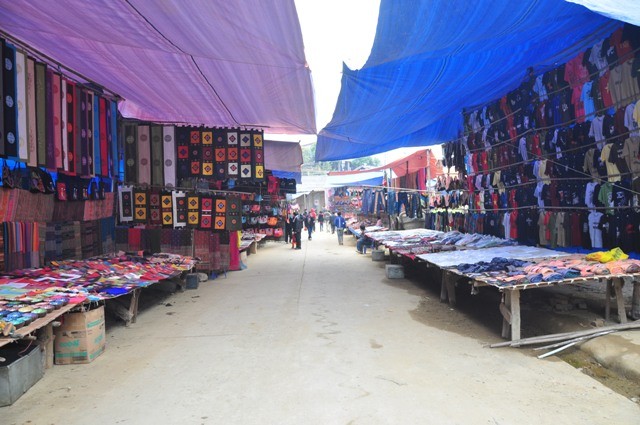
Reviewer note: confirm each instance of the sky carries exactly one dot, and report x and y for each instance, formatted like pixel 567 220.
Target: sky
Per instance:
pixel 336 31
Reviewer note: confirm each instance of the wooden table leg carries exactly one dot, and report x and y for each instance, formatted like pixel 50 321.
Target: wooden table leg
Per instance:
pixel 443 286
pixel 505 309
pixel 133 306
pixel 622 312
pixel 451 289
pixel 515 314
pixel 607 297
pixel 635 303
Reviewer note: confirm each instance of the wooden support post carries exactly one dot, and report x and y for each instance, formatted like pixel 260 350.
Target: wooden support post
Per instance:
pixel 45 340
pixel 443 286
pixel 506 320
pixel 451 289
pixel 607 298
pixel 515 314
pixel 622 312
pixel 635 303
pixel 133 307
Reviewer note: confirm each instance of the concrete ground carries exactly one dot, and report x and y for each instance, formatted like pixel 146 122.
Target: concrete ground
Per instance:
pixel 317 336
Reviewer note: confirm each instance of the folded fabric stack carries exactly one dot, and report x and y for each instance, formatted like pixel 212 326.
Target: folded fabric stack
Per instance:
pixel 495 265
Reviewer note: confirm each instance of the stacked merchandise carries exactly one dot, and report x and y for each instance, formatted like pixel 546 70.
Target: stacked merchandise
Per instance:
pixel 345 200
pixel 264 217
pixel 555 162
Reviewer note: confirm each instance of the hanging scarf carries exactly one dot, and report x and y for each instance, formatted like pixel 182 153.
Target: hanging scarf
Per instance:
pixel 169 154
pixel 157 172
pixel 144 155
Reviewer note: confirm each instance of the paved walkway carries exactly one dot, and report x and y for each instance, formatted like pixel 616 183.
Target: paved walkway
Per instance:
pixel 317 336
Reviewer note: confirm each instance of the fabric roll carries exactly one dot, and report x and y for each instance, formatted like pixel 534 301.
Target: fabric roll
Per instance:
pixel 32 147
pixel 195 152
pixel 183 167
pixel 206 212
pixel 10 142
pixel 84 133
pixel 258 156
pixel 179 209
pixel 21 95
pixel 95 112
pixel 41 111
pixel 220 154
pixel 169 154
pixel 193 207
pixel 157 172
pixel 125 203
pixel 140 206
pixel 166 206
pixel 56 103
pixel 144 155
pixel 130 152
pixel 233 165
pixel 220 219
pixel 105 113
pixel 234 213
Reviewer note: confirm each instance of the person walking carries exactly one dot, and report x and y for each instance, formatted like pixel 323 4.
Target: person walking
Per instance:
pixel 298 224
pixel 340 224
pixel 332 221
pixel 288 228
pixel 321 221
pixel 310 223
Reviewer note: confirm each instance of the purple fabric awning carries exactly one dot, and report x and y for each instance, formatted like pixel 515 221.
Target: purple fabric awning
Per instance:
pixel 212 62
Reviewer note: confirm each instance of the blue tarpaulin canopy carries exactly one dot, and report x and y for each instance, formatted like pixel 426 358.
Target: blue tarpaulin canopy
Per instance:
pixel 432 58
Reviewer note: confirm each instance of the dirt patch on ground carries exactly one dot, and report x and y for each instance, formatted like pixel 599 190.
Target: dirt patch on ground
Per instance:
pixel 477 316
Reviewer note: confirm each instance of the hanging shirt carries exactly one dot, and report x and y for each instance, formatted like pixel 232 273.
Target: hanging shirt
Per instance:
pixel 594 229
pixel 613 172
pixel 588 194
pixel 587 101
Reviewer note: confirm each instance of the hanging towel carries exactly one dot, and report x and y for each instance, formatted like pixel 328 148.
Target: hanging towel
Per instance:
pixel 207 153
pixel 258 156
pixel 144 155
pixel 246 172
pixel 140 206
pixel 105 132
pixel 195 152
pixel 179 209
pixel 234 213
pixel 193 207
pixel 220 154
pixel 32 147
pixel 166 204
pixel 95 126
pixel 125 203
pixel 10 142
pixel 182 142
pixel 21 95
pixel 130 152
pixel 206 208
pixel 233 166
pixel 157 172
pixel 220 220
pixel 155 213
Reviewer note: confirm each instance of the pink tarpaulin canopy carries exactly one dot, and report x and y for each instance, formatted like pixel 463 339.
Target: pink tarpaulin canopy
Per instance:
pixel 212 62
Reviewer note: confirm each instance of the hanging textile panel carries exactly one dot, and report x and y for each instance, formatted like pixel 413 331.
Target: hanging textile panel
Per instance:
pixel 84 134
pixel 179 209
pixel 56 105
pixel 246 166
pixel 125 203
pixel 195 152
pixel 97 157
pixel 155 212
pixel 220 154
pixel 166 206
pixel 109 135
pixel 193 210
pixel 140 206
pixel 2 42
pixel 71 128
pixel 21 96
pixel 41 111
pixel 144 155
pixel 49 155
pixel 112 159
pixel 79 120
pixel 233 165
pixel 130 152
pixel 206 212
pixel 32 147
pixel 169 154
pixel 258 155
pixel 10 142
pixel 234 213
pixel 104 114
pixel 220 219
pixel 182 145
pixel 207 153
pixel 157 172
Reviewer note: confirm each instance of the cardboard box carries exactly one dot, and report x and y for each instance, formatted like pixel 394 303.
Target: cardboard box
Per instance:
pixel 81 338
